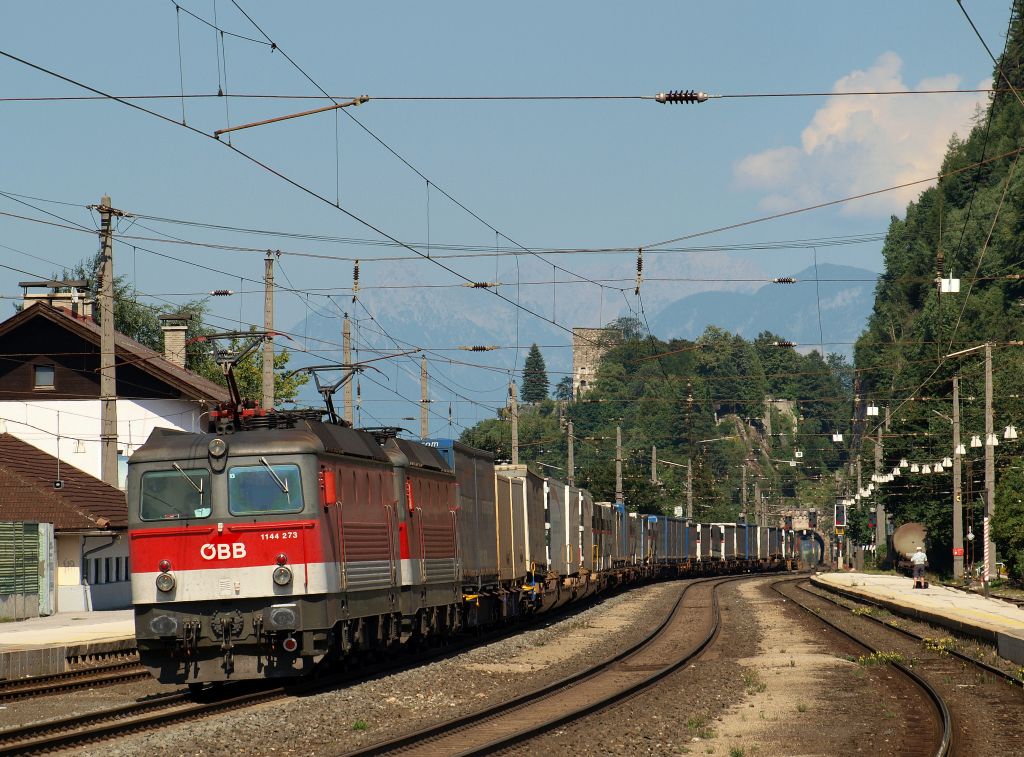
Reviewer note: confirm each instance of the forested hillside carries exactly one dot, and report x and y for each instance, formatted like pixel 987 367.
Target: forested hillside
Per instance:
pixel 704 400
pixel 968 226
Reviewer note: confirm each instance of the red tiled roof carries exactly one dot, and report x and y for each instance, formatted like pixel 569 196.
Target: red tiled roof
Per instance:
pixel 26 491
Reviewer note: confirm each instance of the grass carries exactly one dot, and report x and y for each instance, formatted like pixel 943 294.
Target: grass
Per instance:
pixel 801 707
pixel 698 726
pixel 863 610
pixel 360 725
pixel 942 645
pixel 752 682
pixel 880 658
pixel 735 752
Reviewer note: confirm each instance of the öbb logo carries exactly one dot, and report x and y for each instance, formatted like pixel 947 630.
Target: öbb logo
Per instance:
pixel 233 551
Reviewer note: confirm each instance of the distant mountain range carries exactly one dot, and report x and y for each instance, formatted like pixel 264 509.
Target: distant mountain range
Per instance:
pixel 845 293
pixel 474 383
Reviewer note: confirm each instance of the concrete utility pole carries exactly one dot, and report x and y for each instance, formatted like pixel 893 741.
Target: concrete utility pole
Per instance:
pixel 571 464
pixel 743 490
pixel 618 464
pixel 654 464
pixel 514 408
pixel 880 524
pixel 990 469
pixel 761 520
pixel 958 515
pixel 425 401
pixel 689 491
pixel 268 326
pixel 346 358
pixel 108 356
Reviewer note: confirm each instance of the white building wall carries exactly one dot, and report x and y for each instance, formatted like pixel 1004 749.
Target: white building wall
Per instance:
pixel 77 424
pixel 102 582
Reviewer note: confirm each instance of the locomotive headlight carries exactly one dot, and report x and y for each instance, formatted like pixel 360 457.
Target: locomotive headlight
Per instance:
pixel 282 575
pixel 165 582
pixel 218 447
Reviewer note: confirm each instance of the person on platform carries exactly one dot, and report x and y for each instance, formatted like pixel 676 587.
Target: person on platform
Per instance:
pixel 918 560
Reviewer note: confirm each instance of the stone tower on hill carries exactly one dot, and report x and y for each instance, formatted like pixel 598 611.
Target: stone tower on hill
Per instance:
pixel 588 347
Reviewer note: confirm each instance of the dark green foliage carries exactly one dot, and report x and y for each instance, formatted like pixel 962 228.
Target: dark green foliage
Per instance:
pixel 703 401
pixel 535 377
pixel 563 389
pixel 1008 521
pixel 857 525
pixel 913 326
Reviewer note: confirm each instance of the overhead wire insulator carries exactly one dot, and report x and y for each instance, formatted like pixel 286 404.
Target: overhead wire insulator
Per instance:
pixel 784 280
pixel 682 96
pixel 783 344
pixel 480 284
pixel 222 293
pixel 639 269
pixel 479 347
pixel 355 278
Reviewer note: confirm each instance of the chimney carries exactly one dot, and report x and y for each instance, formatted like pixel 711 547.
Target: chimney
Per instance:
pixel 174 326
pixel 74 300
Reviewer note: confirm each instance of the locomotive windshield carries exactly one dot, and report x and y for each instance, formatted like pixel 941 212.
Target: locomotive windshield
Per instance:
pixel 264 488
pixel 177 493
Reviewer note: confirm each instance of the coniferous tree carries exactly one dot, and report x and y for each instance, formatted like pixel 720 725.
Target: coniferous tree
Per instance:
pixel 535 377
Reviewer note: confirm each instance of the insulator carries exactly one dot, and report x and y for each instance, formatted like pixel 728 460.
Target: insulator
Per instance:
pixel 681 96
pixel 784 280
pixel 221 292
pixel 355 278
pixel 783 344
pixel 639 270
pixel 480 284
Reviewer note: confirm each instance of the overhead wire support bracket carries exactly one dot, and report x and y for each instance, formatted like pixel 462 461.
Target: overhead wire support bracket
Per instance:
pixel 335 106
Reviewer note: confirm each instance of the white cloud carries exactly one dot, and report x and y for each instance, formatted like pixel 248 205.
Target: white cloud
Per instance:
pixel 855 145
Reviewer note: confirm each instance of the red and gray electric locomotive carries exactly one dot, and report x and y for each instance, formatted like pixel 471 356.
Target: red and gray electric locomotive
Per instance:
pixel 256 554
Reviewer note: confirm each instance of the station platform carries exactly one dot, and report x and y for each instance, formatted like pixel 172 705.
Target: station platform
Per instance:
pixel 62 642
pixel 991 620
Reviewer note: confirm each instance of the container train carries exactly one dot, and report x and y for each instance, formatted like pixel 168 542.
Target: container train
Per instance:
pixel 268 552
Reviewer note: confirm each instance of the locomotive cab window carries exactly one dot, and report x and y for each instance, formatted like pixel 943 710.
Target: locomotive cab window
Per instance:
pixel 264 488
pixel 175 493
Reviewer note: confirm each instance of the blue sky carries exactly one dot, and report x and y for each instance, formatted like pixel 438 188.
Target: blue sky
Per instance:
pixel 553 175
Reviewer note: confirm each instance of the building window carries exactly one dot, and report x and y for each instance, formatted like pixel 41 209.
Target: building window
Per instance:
pixel 43 376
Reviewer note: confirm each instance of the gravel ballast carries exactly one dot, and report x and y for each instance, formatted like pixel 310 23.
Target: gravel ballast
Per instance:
pixel 337 721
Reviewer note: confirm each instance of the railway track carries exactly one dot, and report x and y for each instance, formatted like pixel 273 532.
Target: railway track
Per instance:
pixel 670 646
pixel 991 669
pixel 181 706
pixel 61 683
pixel 945 737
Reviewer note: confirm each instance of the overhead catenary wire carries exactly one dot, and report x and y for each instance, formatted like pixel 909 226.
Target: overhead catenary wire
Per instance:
pixel 498 98
pixel 284 177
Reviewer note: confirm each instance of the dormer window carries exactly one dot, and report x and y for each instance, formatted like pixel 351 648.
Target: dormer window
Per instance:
pixel 43 377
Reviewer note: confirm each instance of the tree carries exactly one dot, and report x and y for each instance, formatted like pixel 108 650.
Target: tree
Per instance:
pixel 563 389
pixel 1008 520
pixel 535 377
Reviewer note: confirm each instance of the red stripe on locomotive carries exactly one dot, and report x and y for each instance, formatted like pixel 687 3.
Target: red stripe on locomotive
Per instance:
pixel 238 545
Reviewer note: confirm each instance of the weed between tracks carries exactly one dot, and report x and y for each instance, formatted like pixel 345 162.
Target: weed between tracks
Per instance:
pixel 360 725
pixel 698 726
pixel 752 682
pixel 880 658
pixel 942 645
